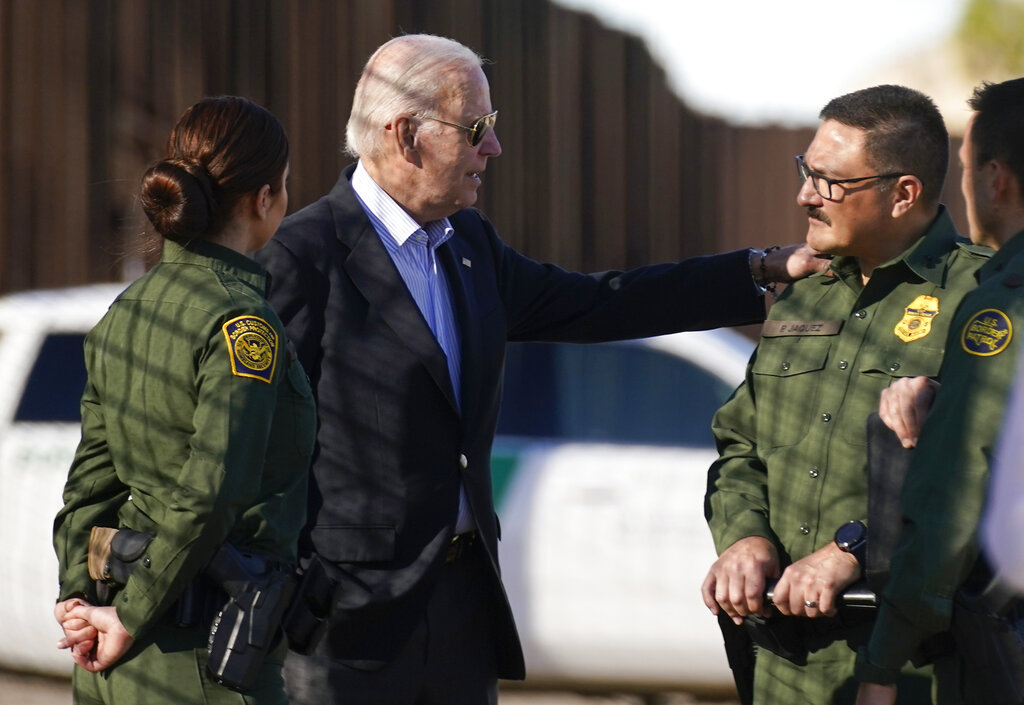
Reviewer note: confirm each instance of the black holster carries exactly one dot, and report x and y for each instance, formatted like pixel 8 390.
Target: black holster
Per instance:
pixel 793 638
pixel 308 617
pixel 781 635
pixel 988 629
pixel 248 600
pixel 248 626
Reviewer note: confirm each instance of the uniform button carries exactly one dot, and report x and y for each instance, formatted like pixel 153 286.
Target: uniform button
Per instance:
pixel 785 366
pixel 826 417
pixel 861 314
pixel 894 366
pixel 804 529
pixel 463 462
pixel 843 364
pixel 146 562
pixel 813 472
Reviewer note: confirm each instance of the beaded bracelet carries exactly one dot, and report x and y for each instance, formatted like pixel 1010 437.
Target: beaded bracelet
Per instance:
pixel 768 286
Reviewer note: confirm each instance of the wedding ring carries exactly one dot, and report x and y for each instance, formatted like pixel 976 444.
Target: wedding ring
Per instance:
pixel 810 603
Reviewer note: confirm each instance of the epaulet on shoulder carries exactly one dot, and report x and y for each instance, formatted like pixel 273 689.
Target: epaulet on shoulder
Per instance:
pixel 976 250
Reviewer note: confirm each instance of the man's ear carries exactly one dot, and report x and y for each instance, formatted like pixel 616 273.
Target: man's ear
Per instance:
pixel 1005 186
pixel 404 131
pixel 906 193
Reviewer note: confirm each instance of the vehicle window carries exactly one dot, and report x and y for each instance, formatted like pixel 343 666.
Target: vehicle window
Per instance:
pixel 54 387
pixel 619 393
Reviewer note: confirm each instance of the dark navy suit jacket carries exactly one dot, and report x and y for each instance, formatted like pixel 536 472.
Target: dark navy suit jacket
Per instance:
pixel 393 448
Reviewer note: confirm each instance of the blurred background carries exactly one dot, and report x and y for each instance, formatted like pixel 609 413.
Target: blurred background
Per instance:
pixel 633 130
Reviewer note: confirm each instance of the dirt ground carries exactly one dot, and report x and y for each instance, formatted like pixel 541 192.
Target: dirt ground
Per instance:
pixel 19 689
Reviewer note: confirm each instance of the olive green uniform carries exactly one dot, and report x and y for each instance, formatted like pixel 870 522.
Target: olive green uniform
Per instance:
pixel 945 488
pixel 197 426
pixel 792 442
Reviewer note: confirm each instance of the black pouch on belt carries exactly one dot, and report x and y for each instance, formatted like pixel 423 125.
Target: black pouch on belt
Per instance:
pixel 113 556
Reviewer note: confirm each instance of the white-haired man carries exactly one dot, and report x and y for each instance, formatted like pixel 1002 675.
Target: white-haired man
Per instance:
pixel 400 298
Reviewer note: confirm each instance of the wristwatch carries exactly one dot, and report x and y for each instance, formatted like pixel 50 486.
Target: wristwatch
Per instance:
pixel 852 537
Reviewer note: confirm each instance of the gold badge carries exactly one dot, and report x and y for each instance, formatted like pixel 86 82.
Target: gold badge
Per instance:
pixel 252 346
pixel 917 318
pixel 987 333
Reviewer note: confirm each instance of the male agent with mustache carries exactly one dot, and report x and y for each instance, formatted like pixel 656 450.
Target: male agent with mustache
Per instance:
pixel 787 497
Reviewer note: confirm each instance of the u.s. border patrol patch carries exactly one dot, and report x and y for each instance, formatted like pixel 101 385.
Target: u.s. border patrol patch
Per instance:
pixel 987 333
pixel 252 347
pixel 917 318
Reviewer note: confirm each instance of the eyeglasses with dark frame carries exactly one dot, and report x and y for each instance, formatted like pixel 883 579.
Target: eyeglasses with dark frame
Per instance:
pixel 476 131
pixel 804 172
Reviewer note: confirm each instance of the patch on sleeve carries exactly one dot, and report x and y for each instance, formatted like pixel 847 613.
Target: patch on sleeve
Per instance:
pixel 917 318
pixel 987 333
pixel 252 347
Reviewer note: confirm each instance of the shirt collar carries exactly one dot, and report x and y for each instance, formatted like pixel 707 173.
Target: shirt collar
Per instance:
pixel 927 257
pixel 218 258
pixel 1002 256
pixel 389 218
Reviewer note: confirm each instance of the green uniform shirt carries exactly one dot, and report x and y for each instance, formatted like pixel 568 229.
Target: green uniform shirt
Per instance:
pixel 947 480
pixel 792 442
pixel 197 425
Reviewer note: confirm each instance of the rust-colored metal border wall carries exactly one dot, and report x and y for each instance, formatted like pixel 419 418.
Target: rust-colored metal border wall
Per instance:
pixel 603 166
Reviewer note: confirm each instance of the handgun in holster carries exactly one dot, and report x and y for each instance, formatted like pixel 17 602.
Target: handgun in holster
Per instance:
pixel 265 600
pixel 247 599
pixel 248 626
pixel 779 634
pixel 788 636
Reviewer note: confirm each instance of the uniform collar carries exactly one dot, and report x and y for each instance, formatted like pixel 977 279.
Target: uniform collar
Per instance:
pixel 927 258
pixel 218 258
pixel 1002 257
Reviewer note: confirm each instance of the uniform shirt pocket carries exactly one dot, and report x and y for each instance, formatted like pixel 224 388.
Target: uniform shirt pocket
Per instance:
pixel 786 386
pixel 905 360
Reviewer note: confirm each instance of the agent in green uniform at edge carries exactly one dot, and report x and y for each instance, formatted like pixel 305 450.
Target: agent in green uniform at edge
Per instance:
pixel 945 488
pixel 197 422
pixel 792 439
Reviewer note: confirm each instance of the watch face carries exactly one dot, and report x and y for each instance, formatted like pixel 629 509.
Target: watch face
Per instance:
pixel 849 535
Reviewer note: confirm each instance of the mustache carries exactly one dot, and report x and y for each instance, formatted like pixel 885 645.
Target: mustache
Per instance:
pixel 817 214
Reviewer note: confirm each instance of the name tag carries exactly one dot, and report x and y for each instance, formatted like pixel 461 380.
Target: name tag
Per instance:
pixel 777 329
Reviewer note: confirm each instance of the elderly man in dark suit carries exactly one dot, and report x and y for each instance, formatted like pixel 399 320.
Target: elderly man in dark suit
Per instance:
pixel 400 297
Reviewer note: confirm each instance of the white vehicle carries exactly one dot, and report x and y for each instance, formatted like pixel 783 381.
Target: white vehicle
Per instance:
pixel 41 334
pixel 599 477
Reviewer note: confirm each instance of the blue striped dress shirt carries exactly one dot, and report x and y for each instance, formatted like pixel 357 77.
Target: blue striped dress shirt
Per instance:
pixel 413 249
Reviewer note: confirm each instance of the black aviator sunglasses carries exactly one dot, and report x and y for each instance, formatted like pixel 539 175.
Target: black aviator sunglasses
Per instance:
pixel 477 131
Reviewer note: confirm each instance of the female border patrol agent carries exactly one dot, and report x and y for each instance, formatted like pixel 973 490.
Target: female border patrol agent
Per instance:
pixel 197 422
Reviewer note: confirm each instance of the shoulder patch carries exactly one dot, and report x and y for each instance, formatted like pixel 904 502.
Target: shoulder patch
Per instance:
pixel 917 318
pixel 987 333
pixel 252 347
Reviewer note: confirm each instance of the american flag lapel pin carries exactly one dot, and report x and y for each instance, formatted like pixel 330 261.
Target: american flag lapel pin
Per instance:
pixel 466 262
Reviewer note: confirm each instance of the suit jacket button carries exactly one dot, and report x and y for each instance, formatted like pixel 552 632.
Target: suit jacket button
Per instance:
pixel 463 462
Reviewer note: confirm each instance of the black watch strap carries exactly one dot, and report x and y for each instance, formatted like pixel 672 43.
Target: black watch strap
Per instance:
pixel 852 538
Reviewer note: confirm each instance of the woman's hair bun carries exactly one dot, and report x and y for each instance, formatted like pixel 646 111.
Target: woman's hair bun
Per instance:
pixel 178 199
